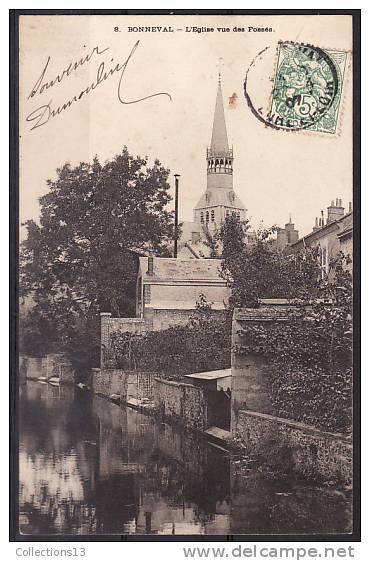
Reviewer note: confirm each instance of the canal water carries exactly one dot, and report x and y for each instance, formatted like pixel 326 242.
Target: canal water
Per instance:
pixel 89 467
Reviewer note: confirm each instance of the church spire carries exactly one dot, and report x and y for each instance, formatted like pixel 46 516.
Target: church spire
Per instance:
pixel 219 200
pixel 219 156
pixel 219 142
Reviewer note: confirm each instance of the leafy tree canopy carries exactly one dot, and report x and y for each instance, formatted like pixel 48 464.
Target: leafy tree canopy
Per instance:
pixel 77 260
pixel 260 270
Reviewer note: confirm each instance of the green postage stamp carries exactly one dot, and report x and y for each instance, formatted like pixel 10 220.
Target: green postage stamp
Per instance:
pixel 308 86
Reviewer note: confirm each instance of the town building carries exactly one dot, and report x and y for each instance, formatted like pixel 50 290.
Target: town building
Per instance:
pixel 331 235
pixel 169 289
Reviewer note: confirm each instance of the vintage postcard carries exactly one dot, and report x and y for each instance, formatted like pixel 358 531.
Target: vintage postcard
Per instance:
pixel 187 257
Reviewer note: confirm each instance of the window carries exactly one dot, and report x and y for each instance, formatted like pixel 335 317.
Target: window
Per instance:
pixel 212 215
pixel 147 293
pixel 139 290
pixel 207 216
pixel 202 217
pixel 323 256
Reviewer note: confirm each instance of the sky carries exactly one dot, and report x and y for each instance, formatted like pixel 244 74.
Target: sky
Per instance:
pixel 277 174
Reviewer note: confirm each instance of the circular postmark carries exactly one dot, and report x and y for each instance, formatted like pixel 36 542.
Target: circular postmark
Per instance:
pixel 305 89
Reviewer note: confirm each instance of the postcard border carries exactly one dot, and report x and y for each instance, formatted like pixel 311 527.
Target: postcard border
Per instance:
pixel 14 534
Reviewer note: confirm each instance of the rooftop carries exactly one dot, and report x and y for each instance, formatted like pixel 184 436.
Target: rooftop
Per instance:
pixel 344 222
pixel 211 375
pixel 165 268
pixel 220 197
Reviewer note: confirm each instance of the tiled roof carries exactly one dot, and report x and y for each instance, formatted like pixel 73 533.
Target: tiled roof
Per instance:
pixel 165 268
pixel 343 223
pixel 220 197
pixel 346 232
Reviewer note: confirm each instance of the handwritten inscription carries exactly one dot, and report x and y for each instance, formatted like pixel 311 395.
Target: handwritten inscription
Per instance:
pixel 44 113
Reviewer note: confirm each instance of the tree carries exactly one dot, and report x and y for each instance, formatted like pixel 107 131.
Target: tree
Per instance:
pixel 260 270
pixel 78 261
pixel 212 241
pixel 308 361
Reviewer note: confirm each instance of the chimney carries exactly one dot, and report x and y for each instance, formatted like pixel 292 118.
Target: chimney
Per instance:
pixel 349 207
pixel 150 270
pixel 335 212
pixel 291 233
pixel 316 227
pixel 281 238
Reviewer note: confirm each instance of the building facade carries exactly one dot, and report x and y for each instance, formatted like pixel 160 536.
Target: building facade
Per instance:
pixel 169 289
pixel 331 235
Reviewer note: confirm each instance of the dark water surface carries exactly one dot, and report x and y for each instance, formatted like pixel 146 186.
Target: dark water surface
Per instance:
pixel 88 466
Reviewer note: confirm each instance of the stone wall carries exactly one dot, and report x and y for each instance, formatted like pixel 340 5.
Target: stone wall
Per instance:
pixel 30 367
pixel 254 422
pixel 311 452
pixel 249 379
pixel 182 403
pixel 49 366
pixel 108 326
pixel 157 320
pixel 140 385
pixel 54 364
pixel 67 374
pixel 110 381
pixel 154 320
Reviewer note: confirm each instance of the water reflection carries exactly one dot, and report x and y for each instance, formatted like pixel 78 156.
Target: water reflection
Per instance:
pixel 90 467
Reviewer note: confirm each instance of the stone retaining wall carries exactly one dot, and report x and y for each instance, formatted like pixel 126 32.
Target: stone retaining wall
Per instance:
pixel 30 367
pixel 182 403
pixel 107 382
pixel 249 379
pixel 49 366
pixel 108 326
pixel 67 374
pixel 310 451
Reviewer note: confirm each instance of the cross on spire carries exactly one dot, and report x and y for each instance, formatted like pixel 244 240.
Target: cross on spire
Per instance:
pixel 219 69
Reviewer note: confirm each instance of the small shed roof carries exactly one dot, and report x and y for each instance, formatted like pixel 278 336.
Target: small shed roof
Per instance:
pixel 211 375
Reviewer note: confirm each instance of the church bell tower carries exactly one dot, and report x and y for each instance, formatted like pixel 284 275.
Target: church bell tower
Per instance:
pixel 219 199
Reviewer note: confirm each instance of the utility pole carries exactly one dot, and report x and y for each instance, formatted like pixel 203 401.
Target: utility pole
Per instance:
pixel 176 213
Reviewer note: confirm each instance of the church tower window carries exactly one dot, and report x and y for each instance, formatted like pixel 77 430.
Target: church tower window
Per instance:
pixel 212 215
pixel 202 217
pixel 207 216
